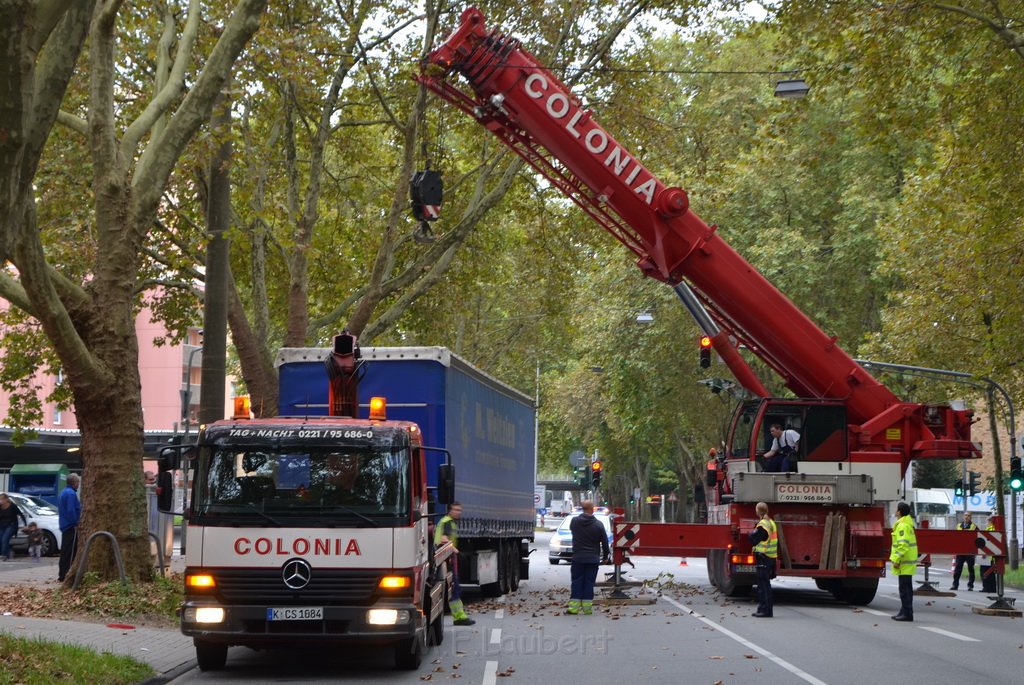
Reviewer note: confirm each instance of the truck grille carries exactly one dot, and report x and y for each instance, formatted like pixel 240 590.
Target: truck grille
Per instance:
pixel 245 585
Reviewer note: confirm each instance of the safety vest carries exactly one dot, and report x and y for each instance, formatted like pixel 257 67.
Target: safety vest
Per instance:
pixel 973 526
pixel 903 554
pixel 769 547
pixel 453 534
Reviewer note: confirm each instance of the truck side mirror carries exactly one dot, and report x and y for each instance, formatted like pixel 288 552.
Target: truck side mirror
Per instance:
pixel 165 491
pixel 445 483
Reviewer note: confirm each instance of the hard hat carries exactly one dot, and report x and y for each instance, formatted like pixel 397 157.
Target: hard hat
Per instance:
pixel 712 452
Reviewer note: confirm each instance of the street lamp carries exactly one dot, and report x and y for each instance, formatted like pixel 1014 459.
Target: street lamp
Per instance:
pixel 791 89
pixel 186 394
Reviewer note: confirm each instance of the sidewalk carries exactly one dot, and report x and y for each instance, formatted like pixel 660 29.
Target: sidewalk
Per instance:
pixel 165 649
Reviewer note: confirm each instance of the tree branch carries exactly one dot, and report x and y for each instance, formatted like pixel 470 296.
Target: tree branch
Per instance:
pixel 47 14
pixel 167 95
pixel 1012 39
pixel 76 124
pixel 162 152
pixel 54 71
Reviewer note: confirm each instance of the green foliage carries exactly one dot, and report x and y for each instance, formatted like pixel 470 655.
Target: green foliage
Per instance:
pixel 936 474
pixel 952 86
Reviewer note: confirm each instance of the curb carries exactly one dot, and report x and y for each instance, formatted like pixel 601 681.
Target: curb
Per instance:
pixel 174 673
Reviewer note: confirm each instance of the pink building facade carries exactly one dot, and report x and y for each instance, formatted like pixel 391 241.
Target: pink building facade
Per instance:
pixel 168 372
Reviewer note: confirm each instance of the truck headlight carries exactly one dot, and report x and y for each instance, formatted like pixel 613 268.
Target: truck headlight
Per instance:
pixel 556 543
pixel 204 615
pixel 387 617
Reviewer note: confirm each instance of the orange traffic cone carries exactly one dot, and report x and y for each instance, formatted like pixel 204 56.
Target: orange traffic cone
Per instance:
pixel 682 562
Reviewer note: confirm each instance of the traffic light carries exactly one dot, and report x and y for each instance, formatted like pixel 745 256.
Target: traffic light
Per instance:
pixel 705 351
pixel 1016 477
pixel 973 483
pixel 595 474
pixel 583 476
pixel 958 488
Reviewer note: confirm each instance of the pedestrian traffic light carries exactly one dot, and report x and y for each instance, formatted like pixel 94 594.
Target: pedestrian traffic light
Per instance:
pixel 705 351
pixel 1016 477
pixel 958 488
pixel 583 476
pixel 973 482
pixel 595 473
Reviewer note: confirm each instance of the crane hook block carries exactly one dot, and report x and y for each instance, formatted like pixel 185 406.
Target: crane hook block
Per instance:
pixel 426 191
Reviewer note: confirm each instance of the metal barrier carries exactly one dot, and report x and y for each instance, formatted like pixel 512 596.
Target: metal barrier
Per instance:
pixel 117 557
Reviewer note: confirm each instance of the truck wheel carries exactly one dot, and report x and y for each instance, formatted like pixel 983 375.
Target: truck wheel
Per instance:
pixel 856 591
pixel 212 656
pixel 435 630
pixel 728 584
pixel 409 653
pixel 712 561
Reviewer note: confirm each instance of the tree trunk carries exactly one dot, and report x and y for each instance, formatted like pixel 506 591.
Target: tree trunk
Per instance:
pixel 109 414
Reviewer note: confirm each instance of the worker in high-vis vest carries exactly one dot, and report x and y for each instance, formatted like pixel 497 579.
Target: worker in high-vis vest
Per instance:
pixel 447 530
pixel 961 559
pixel 903 556
pixel 765 539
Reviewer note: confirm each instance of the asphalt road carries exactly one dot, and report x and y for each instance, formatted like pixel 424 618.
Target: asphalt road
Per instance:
pixel 690 634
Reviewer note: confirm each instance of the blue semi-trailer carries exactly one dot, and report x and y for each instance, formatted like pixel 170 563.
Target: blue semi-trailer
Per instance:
pixel 486 426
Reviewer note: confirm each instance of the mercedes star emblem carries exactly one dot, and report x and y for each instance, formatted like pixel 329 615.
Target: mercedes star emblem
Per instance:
pixel 296 574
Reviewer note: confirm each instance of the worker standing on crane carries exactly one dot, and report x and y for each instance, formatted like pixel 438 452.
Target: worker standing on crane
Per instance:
pixel 903 556
pixel 782 456
pixel 765 539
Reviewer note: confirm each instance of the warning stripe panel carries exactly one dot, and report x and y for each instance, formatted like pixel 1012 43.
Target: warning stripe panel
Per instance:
pixel 627 535
pixel 995 543
pixel 671 539
pixel 933 541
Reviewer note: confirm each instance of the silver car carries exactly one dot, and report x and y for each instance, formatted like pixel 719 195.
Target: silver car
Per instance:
pixel 560 546
pixel 45 516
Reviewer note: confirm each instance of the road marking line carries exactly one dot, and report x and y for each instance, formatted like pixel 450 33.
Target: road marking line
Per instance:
pixel 496 636
pixel 803 675
pixel 490 673
pixel 499 613
pixel 955 636
pixel 876 612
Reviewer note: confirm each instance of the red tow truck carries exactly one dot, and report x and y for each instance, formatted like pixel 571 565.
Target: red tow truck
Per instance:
pixel 857 437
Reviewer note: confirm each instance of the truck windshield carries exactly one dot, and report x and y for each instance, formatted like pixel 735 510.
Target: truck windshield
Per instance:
pixel 328 485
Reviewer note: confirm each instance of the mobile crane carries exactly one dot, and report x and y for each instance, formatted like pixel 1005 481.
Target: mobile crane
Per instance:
pixel 858 438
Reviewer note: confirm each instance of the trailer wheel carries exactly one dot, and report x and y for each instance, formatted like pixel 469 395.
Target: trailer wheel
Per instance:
pixel 212 656
pixel 513 566
pixel 504 566
pixel 856 591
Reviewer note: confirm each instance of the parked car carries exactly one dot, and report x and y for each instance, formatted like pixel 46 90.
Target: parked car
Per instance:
pixel 46 517
pixel 560 546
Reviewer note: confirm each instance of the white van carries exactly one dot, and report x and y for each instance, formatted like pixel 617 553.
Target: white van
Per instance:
pixel 933 506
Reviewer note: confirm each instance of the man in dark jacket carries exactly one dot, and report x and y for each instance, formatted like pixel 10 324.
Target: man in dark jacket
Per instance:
pixel 589 548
